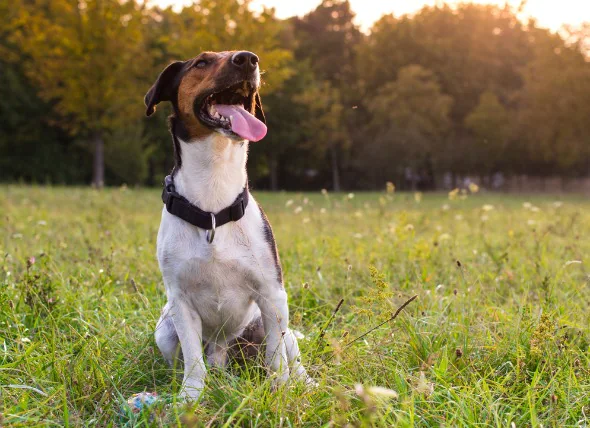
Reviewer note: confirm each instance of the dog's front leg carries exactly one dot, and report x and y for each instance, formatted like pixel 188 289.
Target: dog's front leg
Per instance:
pixel 275 317
pixel 189 329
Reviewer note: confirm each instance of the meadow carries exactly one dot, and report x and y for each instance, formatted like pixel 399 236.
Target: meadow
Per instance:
pixel 498 335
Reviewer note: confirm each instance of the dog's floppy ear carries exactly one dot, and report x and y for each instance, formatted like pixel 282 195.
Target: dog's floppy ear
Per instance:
pixel 163 88
pixel 258 112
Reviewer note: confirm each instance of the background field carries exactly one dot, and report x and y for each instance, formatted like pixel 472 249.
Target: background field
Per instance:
pixel 498 335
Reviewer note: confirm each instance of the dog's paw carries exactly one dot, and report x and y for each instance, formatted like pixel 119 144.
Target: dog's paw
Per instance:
pixel 310 382
pixel 191 391
pixel 307 380
pixel 278 379
pixel 299 374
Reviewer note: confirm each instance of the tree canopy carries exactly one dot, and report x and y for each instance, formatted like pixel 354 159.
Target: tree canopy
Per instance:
pixel 460 90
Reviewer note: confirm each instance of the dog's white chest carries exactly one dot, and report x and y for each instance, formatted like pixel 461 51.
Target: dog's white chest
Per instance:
pixel 217 280
pixel 220 290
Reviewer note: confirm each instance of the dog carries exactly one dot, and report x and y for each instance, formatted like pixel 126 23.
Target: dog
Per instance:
pixel 222 281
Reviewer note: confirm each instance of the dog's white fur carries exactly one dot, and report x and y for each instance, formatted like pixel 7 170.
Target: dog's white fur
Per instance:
pixel 215 290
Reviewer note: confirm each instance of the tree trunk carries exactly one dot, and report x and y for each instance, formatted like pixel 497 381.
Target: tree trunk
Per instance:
pixel 274 173
pixel 335 172
pixel 98 162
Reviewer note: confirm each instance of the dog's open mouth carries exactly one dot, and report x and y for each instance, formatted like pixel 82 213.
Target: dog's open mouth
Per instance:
pixel 228 112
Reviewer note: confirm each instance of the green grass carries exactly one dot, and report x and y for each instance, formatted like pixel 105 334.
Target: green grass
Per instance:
pixel 499 333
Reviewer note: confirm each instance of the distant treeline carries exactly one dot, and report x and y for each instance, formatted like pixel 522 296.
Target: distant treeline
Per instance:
pixel 446 93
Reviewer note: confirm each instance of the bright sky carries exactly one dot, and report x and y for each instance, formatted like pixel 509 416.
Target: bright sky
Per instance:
pixel 549 13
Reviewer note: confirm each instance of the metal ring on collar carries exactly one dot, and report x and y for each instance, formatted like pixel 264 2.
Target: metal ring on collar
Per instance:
pixel 211 232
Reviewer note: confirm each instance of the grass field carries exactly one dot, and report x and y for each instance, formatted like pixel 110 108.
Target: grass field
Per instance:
pixel 498 336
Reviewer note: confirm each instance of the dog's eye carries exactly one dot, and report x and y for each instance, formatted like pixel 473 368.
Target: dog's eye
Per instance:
pixel 201 63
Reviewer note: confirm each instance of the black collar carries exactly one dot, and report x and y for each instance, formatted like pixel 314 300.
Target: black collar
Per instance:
pixel 180 207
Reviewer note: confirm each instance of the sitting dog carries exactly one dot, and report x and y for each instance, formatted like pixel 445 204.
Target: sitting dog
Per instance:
pixel 216 248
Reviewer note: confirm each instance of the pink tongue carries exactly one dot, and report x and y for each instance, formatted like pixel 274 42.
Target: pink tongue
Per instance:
pixel 242 122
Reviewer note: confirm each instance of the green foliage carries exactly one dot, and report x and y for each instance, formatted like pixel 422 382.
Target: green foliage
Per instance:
pixel 127 155
pixel 410 122
pixel 490 124
pixel 329 37
pixel 75 57
pixel 498 335
pixel 325 127
pixel 553 121
pixel 345 109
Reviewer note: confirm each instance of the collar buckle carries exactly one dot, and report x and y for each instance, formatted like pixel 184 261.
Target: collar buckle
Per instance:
pixel 211 232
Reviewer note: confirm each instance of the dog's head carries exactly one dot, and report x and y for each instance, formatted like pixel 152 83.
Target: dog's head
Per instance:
pixel 213 92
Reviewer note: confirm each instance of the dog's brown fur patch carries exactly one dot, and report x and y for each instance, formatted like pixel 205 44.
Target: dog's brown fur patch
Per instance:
pixel 193 84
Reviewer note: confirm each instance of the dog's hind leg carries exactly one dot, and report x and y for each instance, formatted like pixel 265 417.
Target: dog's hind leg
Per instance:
pixel 167 338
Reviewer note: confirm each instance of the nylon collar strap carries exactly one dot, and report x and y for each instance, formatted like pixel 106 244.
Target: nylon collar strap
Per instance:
pixel 180 207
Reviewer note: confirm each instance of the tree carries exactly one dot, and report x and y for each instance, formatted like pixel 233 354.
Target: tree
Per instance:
pixel 221 25
pixel 329 37
pixel 470 48
pixel 554 107
pixel 85 57
pixel 30 147
pixel 327 41
pixel 490 125
pixel 410 117
pixel 324 128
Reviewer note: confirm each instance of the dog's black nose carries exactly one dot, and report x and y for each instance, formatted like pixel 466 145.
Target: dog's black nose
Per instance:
pixel 245 60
